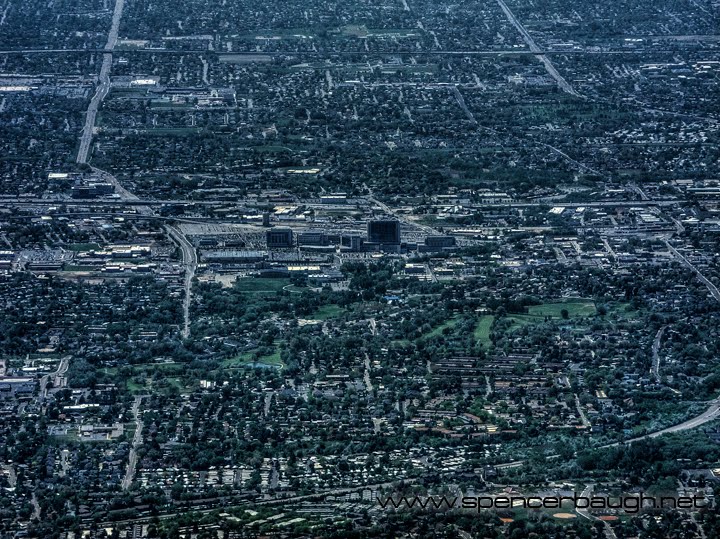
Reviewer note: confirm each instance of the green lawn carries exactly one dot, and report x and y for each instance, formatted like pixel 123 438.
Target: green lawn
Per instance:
pixel 134 387
pixel 623 311
pixel 482 330
pixel 327 311
pixel 537 313
pixel 253 285
pixel 574 308
pixel 438 330
pixel 246 358
pixel 521 320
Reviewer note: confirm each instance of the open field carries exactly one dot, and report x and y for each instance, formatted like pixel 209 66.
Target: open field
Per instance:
pixel 327 311
pixel 248 359
pixel 438 330
pixel 554 310
pixel 251 285
pixel 482 330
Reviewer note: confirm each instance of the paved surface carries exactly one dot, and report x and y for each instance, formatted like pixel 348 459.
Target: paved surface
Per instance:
pixel 104 86
pixel 137 440
pixel 581 412
pixel 655 370
pixel 190 262
pixel 61 370
pixel 713 289
pixel 549 67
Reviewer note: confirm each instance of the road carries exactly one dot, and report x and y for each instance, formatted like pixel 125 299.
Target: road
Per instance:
pixel 227 503
pixel 587 493
pixel 402 219
pixel 570 159
pixel 581 413
pixel 461 102
pixel 609 248
pixel 119 189
pixel 104 87
pixel 16 201
pixel 655 370
pixel 190 262
pixel 137 440
pixel 402 53
pixel 61 370
pixel 713 289
pixel 712 413
pixel 549 67
pixel 12 476
pixel 36 507
pixel 366 376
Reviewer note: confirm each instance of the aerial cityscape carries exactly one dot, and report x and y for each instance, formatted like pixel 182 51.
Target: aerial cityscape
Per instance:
pixel 354 269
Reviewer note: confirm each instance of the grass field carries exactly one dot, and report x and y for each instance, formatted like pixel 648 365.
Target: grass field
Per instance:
pixel 134 387
pixel 355 30
pixel 438 330
pixel 574 308
pixel 245 359
pixel 243 58
pixel 147 368
pixel 327 311
pixel 251 285
pixel 537 313
pixel 482 330
pixel 521 320
pixel 623 311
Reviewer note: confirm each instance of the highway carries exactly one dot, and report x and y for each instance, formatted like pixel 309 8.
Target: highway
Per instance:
pixel 710 414
pixel 190 262
pixel 104 87
pixel 17 201
pixel 428 230
pixel 137 440
pixel 549 67
pixel 125 195
pixel 61 370
pixel 711 287
pixel 331 53
pixel 461 102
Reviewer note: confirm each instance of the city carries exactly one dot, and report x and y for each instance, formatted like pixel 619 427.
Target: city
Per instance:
pixel 265 266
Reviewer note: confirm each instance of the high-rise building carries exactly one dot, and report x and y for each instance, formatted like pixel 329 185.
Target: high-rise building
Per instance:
pixel 279 238
pixel 383 232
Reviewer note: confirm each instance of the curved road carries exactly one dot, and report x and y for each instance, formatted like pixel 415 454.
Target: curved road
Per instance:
pixel 710 414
